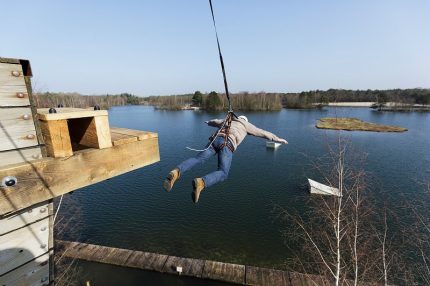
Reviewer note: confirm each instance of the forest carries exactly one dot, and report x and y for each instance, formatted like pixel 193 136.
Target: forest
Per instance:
pixel 245 101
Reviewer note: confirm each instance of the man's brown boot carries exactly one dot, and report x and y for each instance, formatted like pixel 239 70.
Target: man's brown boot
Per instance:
pixel 198 186
pixel 171 179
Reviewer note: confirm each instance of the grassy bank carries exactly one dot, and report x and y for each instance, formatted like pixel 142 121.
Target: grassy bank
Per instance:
pixel 354 124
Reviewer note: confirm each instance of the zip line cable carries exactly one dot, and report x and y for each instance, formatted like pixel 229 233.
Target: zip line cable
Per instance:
pixel 221 59
pixel 230 109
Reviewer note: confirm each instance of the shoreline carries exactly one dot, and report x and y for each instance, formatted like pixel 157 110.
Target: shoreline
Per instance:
pixel 351 104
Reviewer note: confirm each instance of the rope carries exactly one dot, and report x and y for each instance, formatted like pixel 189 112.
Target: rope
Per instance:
pixel 221 59
pixel 230 113
pixel 58 208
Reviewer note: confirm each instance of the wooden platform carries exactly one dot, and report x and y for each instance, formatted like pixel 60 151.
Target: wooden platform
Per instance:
pixel 214 270
pixel 46 178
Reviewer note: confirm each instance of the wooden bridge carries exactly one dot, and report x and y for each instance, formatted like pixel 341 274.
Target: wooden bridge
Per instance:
pixel 205 269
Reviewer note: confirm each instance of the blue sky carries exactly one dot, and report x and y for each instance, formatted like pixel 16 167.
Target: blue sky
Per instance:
pixel 168 46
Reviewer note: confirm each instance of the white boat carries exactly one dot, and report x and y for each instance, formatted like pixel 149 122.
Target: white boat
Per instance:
pixel 321 189
pixel 272 144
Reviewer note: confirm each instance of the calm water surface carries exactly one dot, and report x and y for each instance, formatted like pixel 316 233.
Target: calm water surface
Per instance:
pixel 234 221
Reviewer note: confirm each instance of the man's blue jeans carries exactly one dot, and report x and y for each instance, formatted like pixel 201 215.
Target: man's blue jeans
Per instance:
pixel 224 162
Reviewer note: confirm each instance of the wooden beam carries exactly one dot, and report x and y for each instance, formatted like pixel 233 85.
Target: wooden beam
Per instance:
pixel 68 113
pixel 57 138
pixel 90 132
pixel 119 139
pixel 141 135
pixel 47 178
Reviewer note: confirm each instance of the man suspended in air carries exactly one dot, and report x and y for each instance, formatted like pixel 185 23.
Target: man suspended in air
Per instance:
pixel 224 142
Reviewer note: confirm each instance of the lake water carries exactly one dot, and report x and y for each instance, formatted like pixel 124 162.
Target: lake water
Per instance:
pixel 234 221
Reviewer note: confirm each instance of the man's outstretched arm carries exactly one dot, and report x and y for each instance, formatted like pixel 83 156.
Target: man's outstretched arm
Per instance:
pixel 255 131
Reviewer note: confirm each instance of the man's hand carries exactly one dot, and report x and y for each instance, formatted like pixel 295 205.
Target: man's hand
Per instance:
pixel 283 141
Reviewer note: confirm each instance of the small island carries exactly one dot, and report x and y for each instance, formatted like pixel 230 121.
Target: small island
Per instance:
pixel 354 124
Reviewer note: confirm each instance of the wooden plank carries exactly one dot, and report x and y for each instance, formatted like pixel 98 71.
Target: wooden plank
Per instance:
pixel 47 178
pixel 147 260
pixel 118 256
pixel 119 139
pixel 16 128
pixel 90 131
pixel 14 95
pixel 27 80
pixel 103 131
pixel 7 77
pixel 57 138
pixel 9 60
pixel 20 156
pixel 265 277
pixel 22 245
pixel 69 113
pixel 23 218
pixel 190 266
pixel 141 135
pixel 224 271
pixel 19 139
pixel 33 273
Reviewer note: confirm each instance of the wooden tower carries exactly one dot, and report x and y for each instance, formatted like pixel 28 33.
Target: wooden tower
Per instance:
pixel 44 155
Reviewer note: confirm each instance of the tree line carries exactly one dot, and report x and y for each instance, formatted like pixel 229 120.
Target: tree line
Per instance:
pixel 73 99
pixel 263 101
pixel 246 101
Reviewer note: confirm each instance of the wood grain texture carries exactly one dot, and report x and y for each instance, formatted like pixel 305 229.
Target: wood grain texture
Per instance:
pixel 33 104
pixel 57 138
pixel 6 76
pixel 91 132
pixel 266 277
pixel 233 273
pixel 33 273
pixel 141 135
pixel 23 218
pixel 20 156
pixel 224 272
pixel 190 266
pixel 23 245
pixel 69 113
pixel 119 139
pixel 147 260
pixel 9 60
pixel 8 95
pixel 15 125
pixel 47 178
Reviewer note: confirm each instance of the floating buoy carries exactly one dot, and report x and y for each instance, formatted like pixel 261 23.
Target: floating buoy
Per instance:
pixel 272 144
